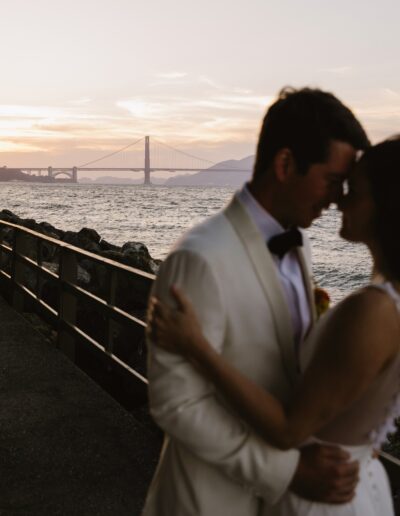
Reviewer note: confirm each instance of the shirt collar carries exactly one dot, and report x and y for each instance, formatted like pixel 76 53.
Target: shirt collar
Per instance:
pixel 265 222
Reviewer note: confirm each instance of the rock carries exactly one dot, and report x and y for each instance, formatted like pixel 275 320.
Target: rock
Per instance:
pixel 136 254
pixel 29 223
pixel 106 246
pixel 83 277
pixel 97 275
pixel 132 291
pixel 83 239
pixel 116 256
pixel 9 216
pixel 7 235
pixel 155 265
pixel 89 234
pixel 49 230
pixel 70 237
pixel 49 251
pixel 135 247
pixel 53 267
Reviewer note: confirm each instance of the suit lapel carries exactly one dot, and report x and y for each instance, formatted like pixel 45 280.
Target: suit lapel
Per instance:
pixel 307 275
pixel 265 269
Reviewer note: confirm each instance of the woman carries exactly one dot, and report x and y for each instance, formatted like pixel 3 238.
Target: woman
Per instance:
pixel 349 393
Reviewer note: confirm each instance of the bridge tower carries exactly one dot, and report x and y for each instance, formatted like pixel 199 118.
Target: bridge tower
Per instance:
pixel 74 174
pixel 147 161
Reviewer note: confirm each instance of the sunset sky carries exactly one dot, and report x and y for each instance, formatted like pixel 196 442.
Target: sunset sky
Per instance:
pixel 83 78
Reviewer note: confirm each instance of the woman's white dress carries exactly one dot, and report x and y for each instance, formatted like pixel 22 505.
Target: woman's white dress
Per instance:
pixel 367 421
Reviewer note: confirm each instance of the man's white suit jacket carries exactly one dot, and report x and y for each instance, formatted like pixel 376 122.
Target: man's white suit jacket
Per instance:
pixel 212 464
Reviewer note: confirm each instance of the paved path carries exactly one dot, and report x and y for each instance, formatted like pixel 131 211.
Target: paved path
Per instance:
pixel 66 447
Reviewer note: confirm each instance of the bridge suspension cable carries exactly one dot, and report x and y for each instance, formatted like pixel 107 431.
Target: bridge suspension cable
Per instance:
pixel 111 153
pixel 206 163
pixel 183 153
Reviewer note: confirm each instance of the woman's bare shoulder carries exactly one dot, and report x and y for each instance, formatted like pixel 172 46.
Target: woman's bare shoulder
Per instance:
pixel 368 315
pixel 371 304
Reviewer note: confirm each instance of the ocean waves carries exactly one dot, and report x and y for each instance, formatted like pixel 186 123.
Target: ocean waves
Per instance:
pixel 157 216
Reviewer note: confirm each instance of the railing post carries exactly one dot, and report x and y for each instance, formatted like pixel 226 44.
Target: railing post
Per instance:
pixel 1 248
pixel 67 306
pixel 21 253
pixel 39 262
pixel 110 324
pixel 20 247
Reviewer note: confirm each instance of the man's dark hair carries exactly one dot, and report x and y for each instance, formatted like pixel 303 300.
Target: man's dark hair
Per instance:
pixel 305 121
pixel 382 167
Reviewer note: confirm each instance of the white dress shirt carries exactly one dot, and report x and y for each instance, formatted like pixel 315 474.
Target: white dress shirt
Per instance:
pixel 288 267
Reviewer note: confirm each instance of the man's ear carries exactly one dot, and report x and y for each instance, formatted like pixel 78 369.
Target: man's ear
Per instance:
pixel 284 165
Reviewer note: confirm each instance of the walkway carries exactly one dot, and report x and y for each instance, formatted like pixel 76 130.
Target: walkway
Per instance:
pixel 66 447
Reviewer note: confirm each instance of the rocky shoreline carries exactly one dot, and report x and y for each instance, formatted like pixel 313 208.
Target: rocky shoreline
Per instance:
pixel 132 291
pixel 135 254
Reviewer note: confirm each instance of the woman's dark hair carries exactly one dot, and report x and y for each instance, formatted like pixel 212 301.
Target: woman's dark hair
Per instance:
pixel 382 166
pixel 305 121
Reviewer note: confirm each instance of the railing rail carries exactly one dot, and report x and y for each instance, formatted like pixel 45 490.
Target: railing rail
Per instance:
pixel 69 292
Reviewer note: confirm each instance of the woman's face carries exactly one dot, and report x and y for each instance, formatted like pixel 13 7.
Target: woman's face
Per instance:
pixel 358 208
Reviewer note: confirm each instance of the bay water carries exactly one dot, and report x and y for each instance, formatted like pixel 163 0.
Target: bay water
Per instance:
pixel 159 215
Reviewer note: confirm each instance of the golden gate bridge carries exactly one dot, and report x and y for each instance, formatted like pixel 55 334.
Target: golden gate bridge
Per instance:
pixel 157 157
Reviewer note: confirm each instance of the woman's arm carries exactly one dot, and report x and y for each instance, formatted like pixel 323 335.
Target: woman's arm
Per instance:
pixel 357 342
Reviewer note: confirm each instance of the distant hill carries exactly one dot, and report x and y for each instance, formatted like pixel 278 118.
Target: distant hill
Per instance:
pixel 110 180
pixel 210 177
pixel 16 174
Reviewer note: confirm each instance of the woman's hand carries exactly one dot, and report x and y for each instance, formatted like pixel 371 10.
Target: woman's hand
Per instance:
pixel 176 330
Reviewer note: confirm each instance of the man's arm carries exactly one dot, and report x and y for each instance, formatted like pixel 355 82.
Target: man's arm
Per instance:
pixel 184 404
pixel 347 343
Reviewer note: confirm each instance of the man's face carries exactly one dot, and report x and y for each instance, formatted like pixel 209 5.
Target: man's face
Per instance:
pixel 311 193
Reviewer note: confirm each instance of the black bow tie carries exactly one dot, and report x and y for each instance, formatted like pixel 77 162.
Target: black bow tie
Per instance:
pixel 281 244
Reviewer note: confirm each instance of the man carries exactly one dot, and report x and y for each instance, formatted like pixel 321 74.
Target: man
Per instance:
pixel 253 295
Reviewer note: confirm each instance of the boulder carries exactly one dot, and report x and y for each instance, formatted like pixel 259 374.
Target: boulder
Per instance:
pixel 136 254
pixel 9 216
pixel 89 234
pixel 83 239
pixel 135 247
pixel 132 291
pixel 106 246
pixel 49 230
pixel 29 223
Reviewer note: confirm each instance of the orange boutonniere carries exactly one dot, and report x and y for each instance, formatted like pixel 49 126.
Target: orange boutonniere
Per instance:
pixel 322 300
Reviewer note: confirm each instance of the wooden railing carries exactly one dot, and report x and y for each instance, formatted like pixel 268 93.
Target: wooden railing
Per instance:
pixel 69 293
pixel 16 258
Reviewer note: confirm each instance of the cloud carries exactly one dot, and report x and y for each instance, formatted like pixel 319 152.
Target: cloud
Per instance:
pixel 18 147
pixel 25 111
pixel 338 70
pixel 141 108
pixel 239 102
pixel 160 106
pixel 39 135
pixel 171 75
pixel 242 91
pixel 390 94
pixel 80 102
pixel 380 116
pixel 183 120
pixel 210 82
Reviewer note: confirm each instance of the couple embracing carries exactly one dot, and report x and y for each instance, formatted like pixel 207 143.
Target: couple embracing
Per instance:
pixel 267 411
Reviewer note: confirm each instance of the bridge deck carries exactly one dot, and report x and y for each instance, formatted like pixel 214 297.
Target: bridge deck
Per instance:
pixel 67 448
